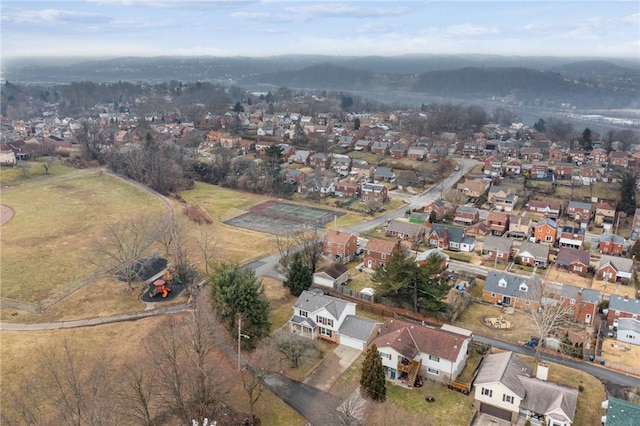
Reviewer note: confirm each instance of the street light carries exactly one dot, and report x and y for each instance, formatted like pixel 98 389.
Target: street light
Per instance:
pixel 240 336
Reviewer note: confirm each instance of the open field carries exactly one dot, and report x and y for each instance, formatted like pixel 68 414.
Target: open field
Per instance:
pixel 46 246
pixel 621 353
pixel 35 171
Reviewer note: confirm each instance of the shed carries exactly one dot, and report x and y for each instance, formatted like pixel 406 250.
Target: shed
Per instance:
pixel 331 275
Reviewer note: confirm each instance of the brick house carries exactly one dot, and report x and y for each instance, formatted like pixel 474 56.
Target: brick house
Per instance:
pixel 517 291
pixel 378 252
pixel 574 260
pixel 618 158
pixel 555 155
pixel 583 302
pixel 622 307
pixel 545 231
pixel 466 215
pixel 374 192
pixel 347 189
pixel 579 212
pixel 550 209
pixel 450 238
pixel 497 249
pixel 612 244
pixel 438 206
pixel 539 169
pixel 320 160
pixel 563 171
pixel 577 156
pixel 380 148
pixel 614 269
pixel 514 167
pixel 533 254
pixel 498 222
pixel 571 237
pixel 340 245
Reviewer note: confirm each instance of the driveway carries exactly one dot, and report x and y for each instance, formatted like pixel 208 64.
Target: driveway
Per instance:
pixel 331 368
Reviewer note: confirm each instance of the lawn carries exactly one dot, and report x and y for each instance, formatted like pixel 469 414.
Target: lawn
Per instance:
pixel 34 172
pixel 472 316
pixel 47 244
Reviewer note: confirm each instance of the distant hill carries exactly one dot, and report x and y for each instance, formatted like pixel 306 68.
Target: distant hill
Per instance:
pixel 322 76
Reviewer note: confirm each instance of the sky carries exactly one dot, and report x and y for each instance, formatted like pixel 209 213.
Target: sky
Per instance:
pixel 112 28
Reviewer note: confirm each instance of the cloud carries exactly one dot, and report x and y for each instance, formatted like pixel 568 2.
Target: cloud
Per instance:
pixel 375 27
pixel 469 30
pixel 172 4
pixel 52 16
pixel 347 10
pixel 632 19
pixel 267 17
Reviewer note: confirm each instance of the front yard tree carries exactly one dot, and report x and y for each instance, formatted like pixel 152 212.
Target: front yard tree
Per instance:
pixel 552 315
pixel 236 292
pixel 372 380
pixel 296 349
pixel 371 206
pixel 627 203
pixel 299 278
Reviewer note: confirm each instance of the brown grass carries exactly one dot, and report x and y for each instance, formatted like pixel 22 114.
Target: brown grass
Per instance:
pixel 621 353
pixel 471 319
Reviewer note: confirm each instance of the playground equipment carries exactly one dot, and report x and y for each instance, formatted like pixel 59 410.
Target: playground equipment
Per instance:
pixel 160 287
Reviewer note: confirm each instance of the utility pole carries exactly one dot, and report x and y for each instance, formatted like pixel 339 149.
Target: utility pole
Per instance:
pixel 240 336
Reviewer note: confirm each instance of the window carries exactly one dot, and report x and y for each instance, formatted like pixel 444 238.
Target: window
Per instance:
pixel 527 302
pixel 433 371
pixel 434 358
pixel 524 288
pixel 578 269
pixel 325 331
pixel 507 398
pixel 384 255
pixel 487 392
pixel 572 301
pixel 548 239
pixel 304 313
pixel 493 295
pixel 384 355
pixel 324 321
pixel 631 337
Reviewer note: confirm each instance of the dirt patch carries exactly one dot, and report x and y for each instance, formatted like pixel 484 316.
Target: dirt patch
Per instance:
pixel 6 214
pixel 621 353
pixel 274 291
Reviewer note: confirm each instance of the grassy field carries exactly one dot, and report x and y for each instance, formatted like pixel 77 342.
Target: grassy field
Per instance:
pixel 46 246
pixel 32 173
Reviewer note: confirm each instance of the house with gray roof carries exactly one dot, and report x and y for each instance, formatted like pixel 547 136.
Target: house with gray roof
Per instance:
pixel 358 332
pixel 574 260
pixel 613 268
pixel 506 289
pixel 622 307
pixel 505 388
pixel 534 254
pixel 384 174
pixel 450 238
pixel 620 412
pixel 405 230
pixel 583 302
pixel 496 248
pixel 628 331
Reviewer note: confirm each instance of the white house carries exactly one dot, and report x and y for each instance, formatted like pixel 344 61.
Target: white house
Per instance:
pixel 331 275
pixel 505 389
pixel 628 331
pixel 318 316
pixel 411 349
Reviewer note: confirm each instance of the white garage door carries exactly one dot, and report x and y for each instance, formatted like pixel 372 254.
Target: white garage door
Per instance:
pixel 324 282
pixel 351 342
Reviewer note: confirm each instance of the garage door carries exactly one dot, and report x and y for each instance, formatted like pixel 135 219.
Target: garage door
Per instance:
pixel 351 342
pixel 321 281
pixel 495 412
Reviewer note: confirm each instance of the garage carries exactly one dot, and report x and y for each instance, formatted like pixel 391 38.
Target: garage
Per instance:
pixel 351 342
pixel 495 412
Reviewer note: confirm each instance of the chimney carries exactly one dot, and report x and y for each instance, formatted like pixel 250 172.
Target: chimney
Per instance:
pixel 542 372
pixel 626 297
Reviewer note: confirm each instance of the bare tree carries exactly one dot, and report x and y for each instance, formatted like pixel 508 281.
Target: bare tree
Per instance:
pixel 138 396
pixel 122 244
pixel 296 349
pixel 371 206
pixel 93 137
pixel 25 404
pixel 455 197
pixel 286 248
pixel 206 243
pixel 311 245
pixel 551 316
pixel 260 362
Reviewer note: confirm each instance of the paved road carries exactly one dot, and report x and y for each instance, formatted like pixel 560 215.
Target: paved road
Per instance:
pixel 595 370
pixel 317 406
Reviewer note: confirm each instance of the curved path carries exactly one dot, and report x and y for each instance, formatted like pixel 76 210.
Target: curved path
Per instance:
pixel 6 214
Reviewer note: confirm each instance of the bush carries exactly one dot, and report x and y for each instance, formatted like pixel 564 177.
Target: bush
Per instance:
pixel 196 214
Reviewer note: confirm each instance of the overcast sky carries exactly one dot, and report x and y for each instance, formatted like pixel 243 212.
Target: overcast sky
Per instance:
pixel 270 27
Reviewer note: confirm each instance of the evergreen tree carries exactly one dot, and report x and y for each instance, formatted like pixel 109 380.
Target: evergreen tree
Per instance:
pixel 627 201
pixel 433 216
pixel 236 292
pixel 540 126
pixel 271 169
pixel 238 107
pixel 356 124
pixel 372 380
pixel 299 277
pixel 586 141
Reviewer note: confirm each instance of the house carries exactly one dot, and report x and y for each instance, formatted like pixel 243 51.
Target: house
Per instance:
pixel 512 290
pixel 378 252
pixel 347 189
pixel 423 258
pixel 622 307
pixel 497 249
pixel 466 215
pixel 340 245
pixel 8 158
pixel 384 174
pixel 539 169
pixel 331 275
pixel 498 222
pixel 530 153
pixel 397 150
pixel 555 155
pixel 571 237
pixel 620 412
pixel 574 260
pixel 514 167
pixel 618 158
pixel 579 212
pixel 317 316
pixel 534 254
pixel 605 215
pixel 472 187
pixel 612 244
pixel 380 148
pixel 587 174
pixel 374 192
pixel 614 269
pixel 437 206
pixel 545 231
pixel 502 197
pixel 599 156
pixel 493 166
pixel 405 230
pixel 363 145
pixel 583 302
pixel 411 349
pixel 361 170
pixel 519 226
pixel 505 388
pixel 450 238
pixel 577 156
pixel 499 192
pixel 550 209
pixel 563 171
pixel 629 332
pixel 479 229
pixel 341 164
pixel 301 156
pixel 418 152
